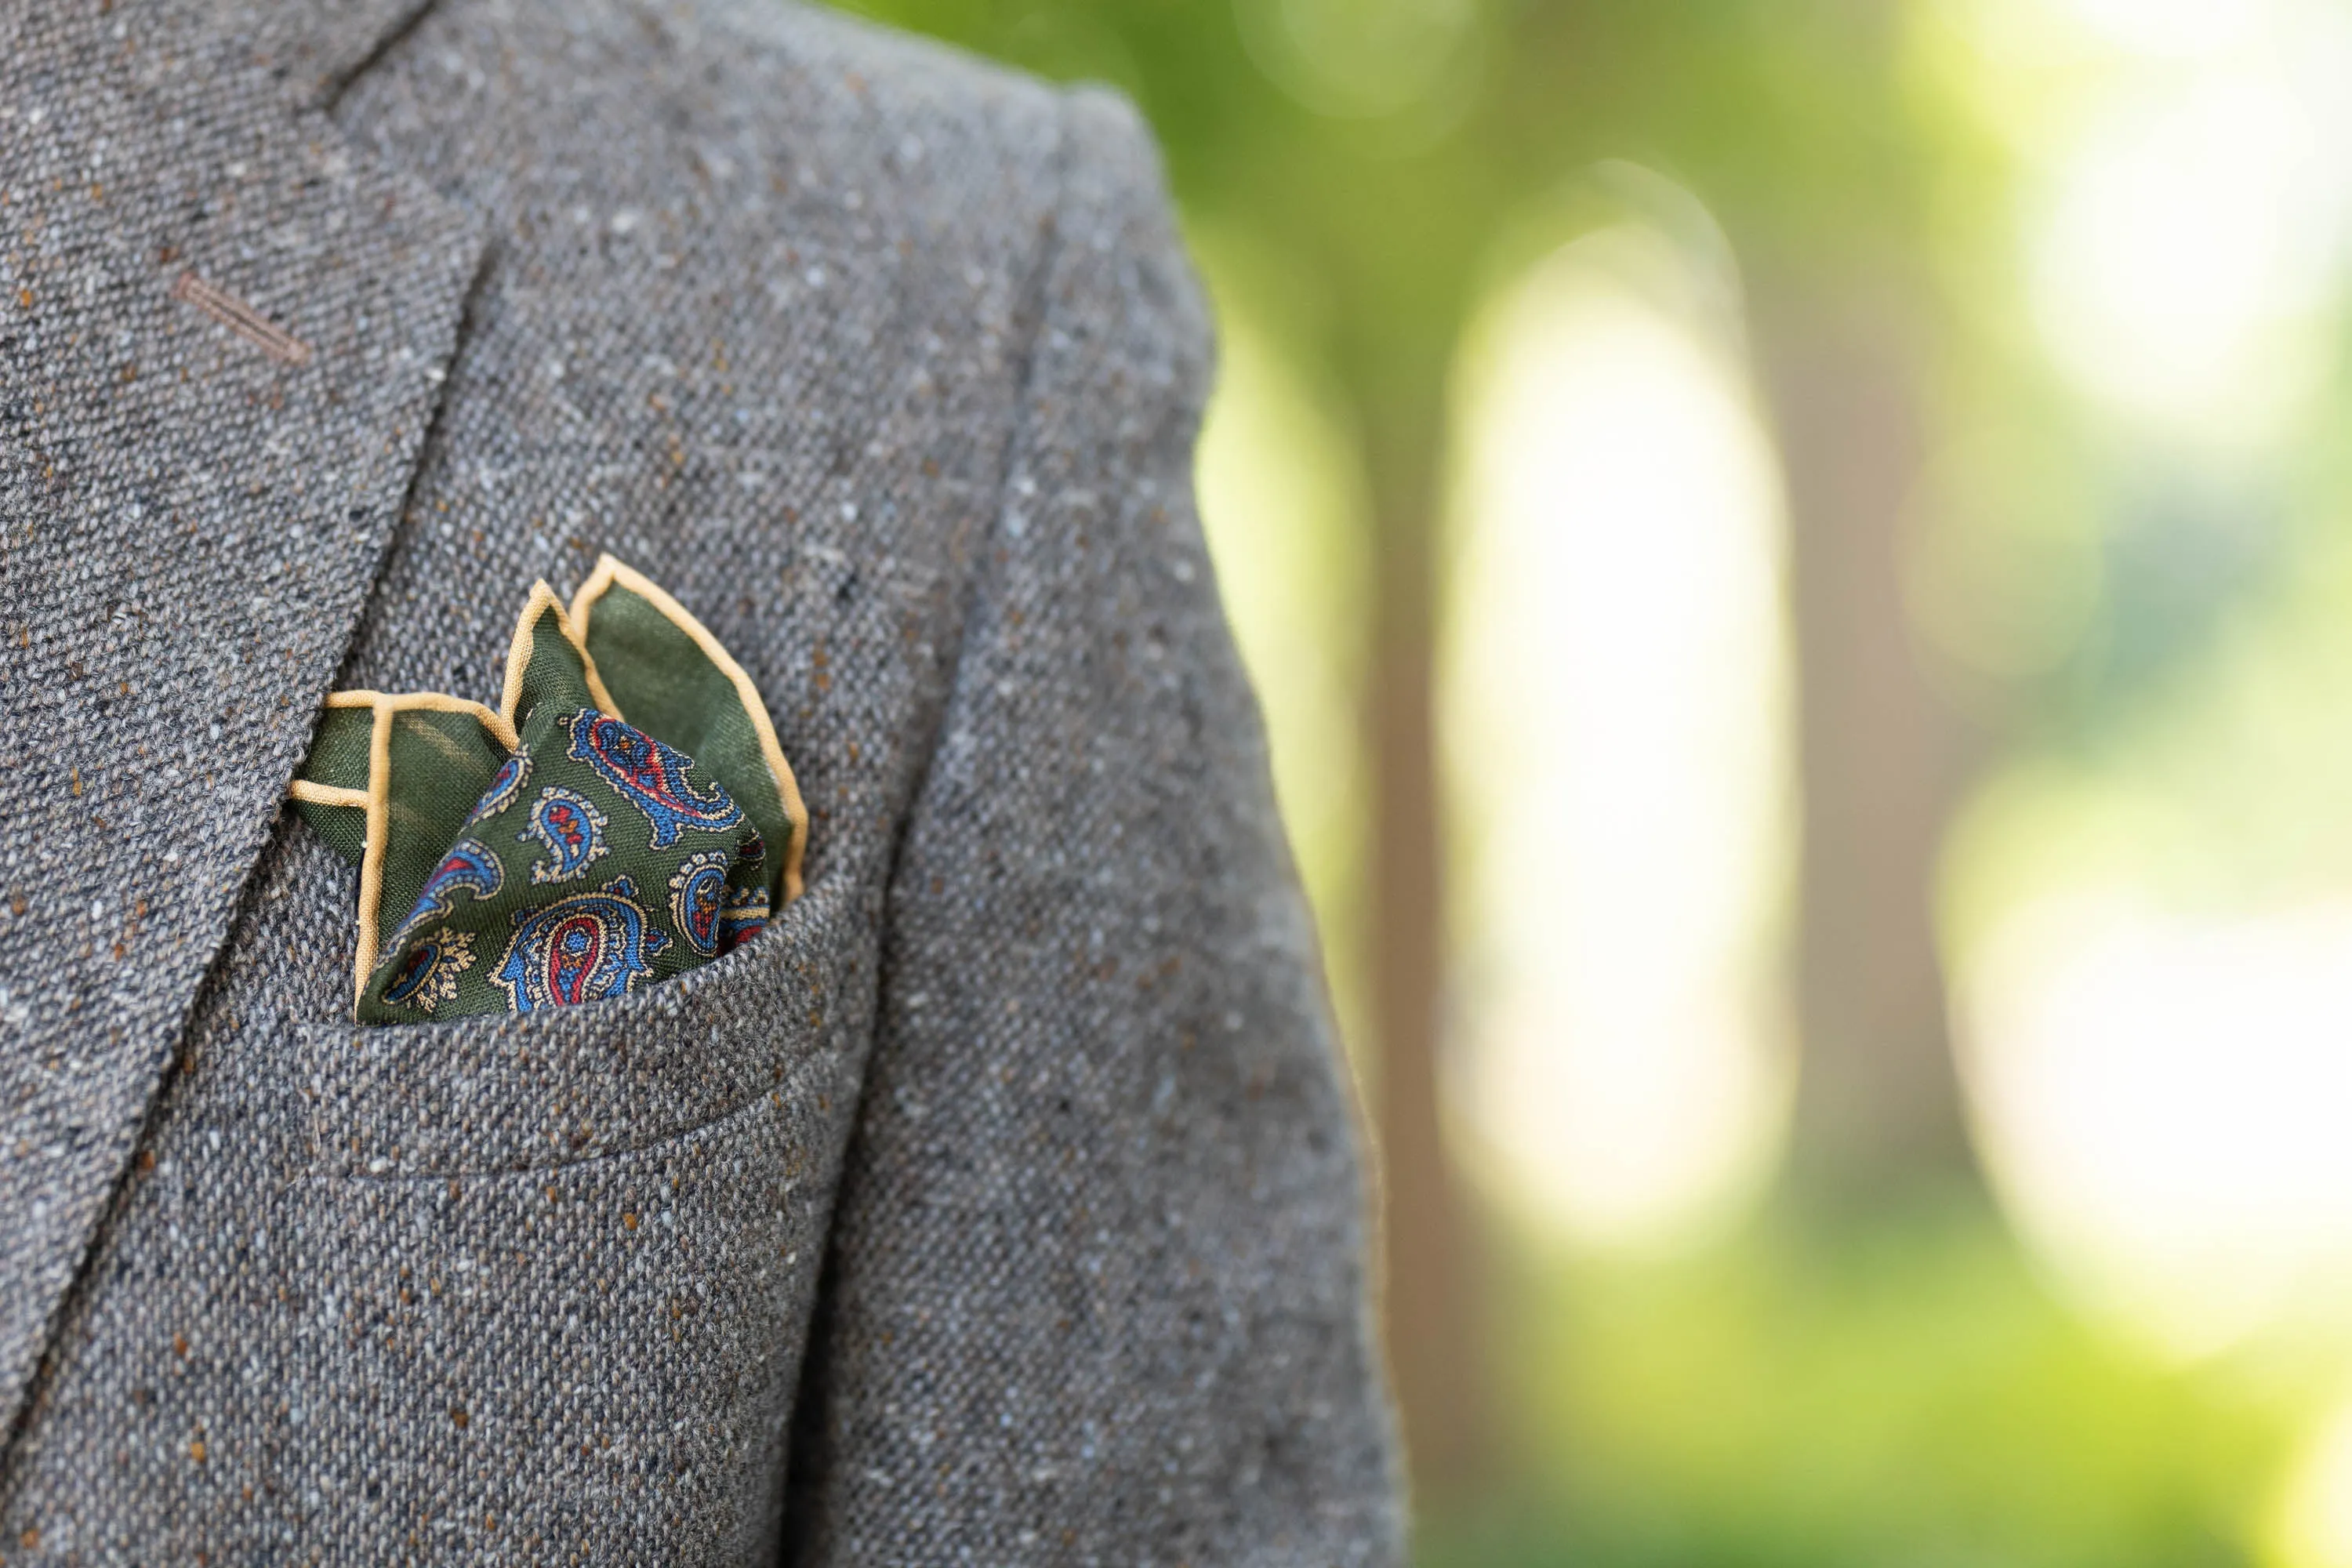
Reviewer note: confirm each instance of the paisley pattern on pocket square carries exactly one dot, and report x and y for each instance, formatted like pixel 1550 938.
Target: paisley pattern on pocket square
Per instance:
pixel 553 851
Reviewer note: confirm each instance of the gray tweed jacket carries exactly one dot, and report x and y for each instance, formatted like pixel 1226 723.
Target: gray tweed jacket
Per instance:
pixel 998 1204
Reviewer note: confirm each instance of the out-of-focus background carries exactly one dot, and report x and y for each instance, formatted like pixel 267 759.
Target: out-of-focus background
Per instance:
pixel 1798 556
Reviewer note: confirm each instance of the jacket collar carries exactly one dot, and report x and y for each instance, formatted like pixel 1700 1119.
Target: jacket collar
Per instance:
pixel 222 339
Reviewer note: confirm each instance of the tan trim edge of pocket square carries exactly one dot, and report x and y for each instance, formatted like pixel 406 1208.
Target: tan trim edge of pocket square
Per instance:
pixel 664 826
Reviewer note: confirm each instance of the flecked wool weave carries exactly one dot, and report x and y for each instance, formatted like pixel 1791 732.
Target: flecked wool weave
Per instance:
pixel 999 1203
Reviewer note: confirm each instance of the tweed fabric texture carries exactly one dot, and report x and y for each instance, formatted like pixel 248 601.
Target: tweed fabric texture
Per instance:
pixel 187 530
pixel 997 1203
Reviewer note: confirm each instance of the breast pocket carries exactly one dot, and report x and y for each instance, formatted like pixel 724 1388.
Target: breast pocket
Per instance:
pixel 556 1267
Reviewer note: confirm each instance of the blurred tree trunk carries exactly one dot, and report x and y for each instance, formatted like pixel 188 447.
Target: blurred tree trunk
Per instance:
pixel 1430 1259
pixel 1881 754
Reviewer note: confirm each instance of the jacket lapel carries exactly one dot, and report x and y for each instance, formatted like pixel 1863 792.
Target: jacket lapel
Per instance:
pixel 221 336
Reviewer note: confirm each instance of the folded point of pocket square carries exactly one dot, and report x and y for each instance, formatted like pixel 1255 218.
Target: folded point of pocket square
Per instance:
pixel 623 815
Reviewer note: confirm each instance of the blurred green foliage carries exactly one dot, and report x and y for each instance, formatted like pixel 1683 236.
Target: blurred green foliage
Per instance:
pixel 1906 1393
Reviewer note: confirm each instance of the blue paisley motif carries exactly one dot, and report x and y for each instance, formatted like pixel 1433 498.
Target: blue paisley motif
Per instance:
pixel 746 916
pixel 568 826
pixel 428 975
pixel 505 784
pixel 470 866
pixel 583 948
pixel 698 899
pixel 650 776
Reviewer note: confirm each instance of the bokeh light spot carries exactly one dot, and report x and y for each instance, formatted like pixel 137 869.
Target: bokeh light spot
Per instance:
pixel 1616 708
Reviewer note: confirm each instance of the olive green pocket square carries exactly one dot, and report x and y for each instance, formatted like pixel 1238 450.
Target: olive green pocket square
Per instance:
pixel 623 815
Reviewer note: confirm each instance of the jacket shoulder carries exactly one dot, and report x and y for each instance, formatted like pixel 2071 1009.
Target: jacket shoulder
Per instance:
pixel 888 71
pixel 499 101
